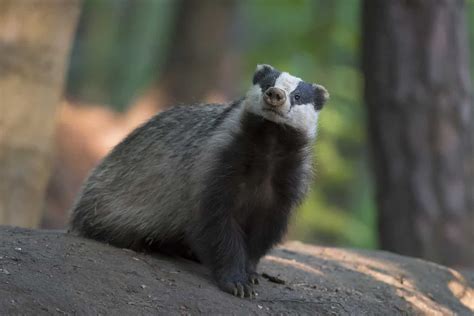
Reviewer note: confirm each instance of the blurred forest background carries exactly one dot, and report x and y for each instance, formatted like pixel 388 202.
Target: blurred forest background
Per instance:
pixel 123 46
pixel 130 59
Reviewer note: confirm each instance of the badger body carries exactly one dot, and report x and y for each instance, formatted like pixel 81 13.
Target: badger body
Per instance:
pixel 218 180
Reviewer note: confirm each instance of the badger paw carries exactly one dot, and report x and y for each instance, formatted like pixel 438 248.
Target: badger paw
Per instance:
pixel 253 277
pixel 237 286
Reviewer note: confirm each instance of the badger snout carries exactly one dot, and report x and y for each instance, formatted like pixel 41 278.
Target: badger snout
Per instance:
pixel 274 96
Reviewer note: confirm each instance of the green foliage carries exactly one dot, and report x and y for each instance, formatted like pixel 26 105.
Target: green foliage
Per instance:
pixel 119 50
pixel 470 28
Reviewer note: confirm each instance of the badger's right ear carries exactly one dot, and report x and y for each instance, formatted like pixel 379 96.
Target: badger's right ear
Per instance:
pixel 261 71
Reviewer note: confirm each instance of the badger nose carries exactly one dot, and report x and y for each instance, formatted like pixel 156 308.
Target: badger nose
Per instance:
pixel 274 96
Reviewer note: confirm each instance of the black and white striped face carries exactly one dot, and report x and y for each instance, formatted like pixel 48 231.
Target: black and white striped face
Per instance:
pixel 283 98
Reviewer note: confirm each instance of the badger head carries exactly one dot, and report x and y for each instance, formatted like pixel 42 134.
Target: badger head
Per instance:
pixel 284 99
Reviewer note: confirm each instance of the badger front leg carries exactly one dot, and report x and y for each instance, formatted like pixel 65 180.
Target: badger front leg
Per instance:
pixel 262 233
pixel 219 244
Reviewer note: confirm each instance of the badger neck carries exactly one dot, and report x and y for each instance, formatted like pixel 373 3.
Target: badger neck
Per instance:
pixel 251 133
pixel 268 137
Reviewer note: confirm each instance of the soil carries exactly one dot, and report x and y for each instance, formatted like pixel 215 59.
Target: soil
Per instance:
pixel 52 273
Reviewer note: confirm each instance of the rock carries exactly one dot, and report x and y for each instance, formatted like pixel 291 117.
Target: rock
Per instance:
pixel 55 273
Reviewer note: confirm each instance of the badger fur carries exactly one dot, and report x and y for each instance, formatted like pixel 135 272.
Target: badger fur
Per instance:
pixel 218 180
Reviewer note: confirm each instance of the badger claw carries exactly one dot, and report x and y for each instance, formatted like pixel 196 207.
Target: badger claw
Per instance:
pixel 253 278
pixel 237 288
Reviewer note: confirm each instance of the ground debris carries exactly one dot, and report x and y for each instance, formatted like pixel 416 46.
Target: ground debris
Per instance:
pixel 273 279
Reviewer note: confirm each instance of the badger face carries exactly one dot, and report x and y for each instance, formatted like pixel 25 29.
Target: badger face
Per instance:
pixel 284 99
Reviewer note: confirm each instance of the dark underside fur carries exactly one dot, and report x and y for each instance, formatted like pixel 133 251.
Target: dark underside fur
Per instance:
pixel 257 181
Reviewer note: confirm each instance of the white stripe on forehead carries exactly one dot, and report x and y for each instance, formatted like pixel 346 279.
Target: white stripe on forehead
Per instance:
pixel 287 82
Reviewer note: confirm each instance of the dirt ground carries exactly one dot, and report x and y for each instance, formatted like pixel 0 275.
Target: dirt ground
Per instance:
pixel 49 272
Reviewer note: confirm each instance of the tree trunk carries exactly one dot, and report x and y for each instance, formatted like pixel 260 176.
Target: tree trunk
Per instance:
pixel 35 36
pixel 415 60
pixel 202 62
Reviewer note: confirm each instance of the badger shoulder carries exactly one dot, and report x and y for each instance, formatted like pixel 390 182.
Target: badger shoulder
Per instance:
pixel 178 129
pixel 178 122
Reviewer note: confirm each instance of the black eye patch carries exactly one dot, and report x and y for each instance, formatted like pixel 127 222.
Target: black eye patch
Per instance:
pixel 266 77
pixel 303 94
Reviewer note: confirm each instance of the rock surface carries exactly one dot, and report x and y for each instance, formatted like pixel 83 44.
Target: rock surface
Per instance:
pixel 49 272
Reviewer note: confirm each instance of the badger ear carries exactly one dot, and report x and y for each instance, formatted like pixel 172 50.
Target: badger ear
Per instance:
pixel 260 72
pixel 321 95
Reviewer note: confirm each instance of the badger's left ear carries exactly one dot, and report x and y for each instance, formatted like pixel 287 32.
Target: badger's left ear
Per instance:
pixel 321 95
pixel 261 71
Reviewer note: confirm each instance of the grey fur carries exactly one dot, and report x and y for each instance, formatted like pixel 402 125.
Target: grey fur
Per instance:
pixel 215 179
pixel 156 167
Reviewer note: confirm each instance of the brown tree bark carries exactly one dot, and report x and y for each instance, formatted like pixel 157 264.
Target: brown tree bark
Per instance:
pixel 417 89
pixel 202 62
pixel 35 36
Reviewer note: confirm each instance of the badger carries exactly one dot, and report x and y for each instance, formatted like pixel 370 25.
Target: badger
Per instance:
pixel 215 181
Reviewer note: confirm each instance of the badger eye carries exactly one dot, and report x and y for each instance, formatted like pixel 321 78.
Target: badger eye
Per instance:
pixel 297 97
